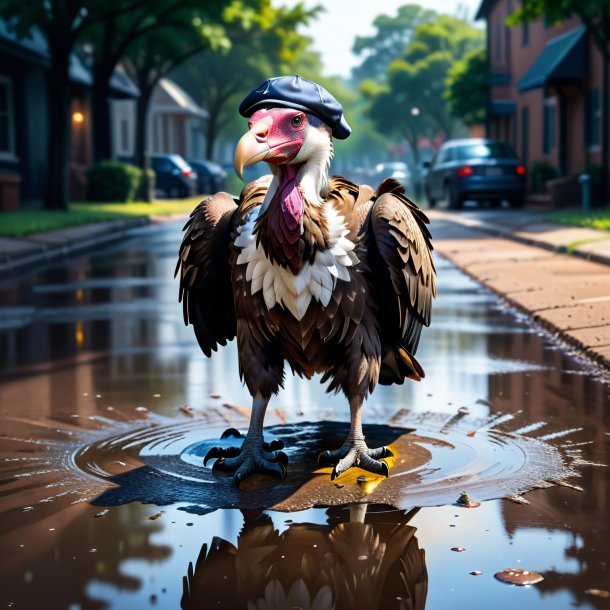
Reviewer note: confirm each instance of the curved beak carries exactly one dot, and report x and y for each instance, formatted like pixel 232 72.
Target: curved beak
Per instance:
pixel 249 151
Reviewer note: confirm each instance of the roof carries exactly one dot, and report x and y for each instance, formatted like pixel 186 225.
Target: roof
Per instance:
pixel 170 98
pixel 562 61
pixel 484 9
pixel 34 49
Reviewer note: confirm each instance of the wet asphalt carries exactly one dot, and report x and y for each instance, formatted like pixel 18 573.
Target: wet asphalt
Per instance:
pixel 99 379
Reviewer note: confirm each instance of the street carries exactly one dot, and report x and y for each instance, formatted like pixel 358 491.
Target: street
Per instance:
pixel 95 349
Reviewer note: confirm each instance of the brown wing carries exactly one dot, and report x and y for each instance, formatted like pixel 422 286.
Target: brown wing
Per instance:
pixel 402 264
pixel 205 274
pixel 204 263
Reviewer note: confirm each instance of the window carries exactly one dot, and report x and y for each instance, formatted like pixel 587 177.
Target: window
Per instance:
pixel 445 156
pixel 498 42
pixel 124 135
pixel 525 34
pixel 485 150
pixel 593 119
pixel 548 123
pixel 7 138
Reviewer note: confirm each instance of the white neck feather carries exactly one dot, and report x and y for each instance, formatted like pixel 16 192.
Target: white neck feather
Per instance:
pixel 313 176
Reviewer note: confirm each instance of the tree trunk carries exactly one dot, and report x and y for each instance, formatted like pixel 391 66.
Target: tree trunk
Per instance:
pixel 605 182
pixel 58 152
pixel 211 134
pixel 100 107
pixel 141 152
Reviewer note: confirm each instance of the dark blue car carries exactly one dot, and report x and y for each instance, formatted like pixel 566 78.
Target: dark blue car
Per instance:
pixel 474 169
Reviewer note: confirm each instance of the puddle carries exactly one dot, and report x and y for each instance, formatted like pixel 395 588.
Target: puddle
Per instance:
pixel 433 462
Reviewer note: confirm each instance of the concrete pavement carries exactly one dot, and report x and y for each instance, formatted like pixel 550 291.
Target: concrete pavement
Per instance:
pixel 564 293
pixel 533 229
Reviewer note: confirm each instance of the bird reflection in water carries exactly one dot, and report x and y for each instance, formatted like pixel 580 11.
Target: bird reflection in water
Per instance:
pixel 359 560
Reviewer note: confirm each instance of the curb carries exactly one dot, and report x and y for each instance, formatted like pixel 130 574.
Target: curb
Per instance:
pixel 107 234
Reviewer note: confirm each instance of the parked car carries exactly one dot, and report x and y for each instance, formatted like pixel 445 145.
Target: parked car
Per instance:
pixel 475 169
pixel 211 177
pixel 396 169
pixel 174 176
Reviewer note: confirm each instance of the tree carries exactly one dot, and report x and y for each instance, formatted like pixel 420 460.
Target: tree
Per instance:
pixel 467 88
pixel 595 16
pixel 267 44
pixel 390 41
pixel 418 80
pixel 110 39
pixel 154 56
pixel 62 23
pixel 397 113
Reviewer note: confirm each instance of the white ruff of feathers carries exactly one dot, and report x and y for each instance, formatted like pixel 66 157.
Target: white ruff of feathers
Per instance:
pixel 314 281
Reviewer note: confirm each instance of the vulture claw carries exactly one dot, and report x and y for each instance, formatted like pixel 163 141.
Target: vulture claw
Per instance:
pixel 252 457
pixel 251 466
pixel 273 445
pixel 220 452
pixel 281 458
pixel 214 452
pixel 358 455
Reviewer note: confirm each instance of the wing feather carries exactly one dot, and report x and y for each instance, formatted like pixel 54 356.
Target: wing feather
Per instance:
pixel 205 274
pixel 403 257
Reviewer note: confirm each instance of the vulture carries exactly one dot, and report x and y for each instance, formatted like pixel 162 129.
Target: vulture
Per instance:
pixel 306 269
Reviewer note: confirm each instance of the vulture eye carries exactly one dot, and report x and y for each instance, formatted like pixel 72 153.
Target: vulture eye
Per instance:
pixel 297 120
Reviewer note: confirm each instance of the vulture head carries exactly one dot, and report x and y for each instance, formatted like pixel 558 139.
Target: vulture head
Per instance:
pixel 292 122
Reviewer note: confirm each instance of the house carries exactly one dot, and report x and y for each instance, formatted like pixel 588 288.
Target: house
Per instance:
pixel 175 124
pixel 546 85
pixel 24 70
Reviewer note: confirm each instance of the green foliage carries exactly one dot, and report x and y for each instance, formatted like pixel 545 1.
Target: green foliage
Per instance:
pixel 468 87
pixel 542 171
pixel 390 41
pixel 27 222
pixel 264 45
pixel 595 15
pixel 411 102
pixel 596 220
pixel 113 181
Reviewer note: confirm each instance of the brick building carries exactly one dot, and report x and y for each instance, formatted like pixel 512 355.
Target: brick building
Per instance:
pixel 546 89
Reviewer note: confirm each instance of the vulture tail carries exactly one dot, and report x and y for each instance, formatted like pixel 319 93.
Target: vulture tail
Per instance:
pixel 398 364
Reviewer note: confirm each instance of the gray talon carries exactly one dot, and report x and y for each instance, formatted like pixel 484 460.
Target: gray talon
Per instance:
pixel 357 455
pixel 220 452
pixel 214 452
pixel 281 458
pixel 273 445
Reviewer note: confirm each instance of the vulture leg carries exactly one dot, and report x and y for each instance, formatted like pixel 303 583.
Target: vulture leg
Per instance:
pixel 355 451
pixel 254 455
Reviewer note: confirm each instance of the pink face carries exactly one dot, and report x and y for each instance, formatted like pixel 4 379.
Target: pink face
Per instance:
pixel 283 129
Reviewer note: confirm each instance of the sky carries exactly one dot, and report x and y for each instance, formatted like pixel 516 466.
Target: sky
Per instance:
pixel 335 30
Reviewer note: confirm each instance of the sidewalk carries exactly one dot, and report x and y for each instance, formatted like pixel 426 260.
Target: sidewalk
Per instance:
pixel 523 258
pixel 531 228
pixel 17 254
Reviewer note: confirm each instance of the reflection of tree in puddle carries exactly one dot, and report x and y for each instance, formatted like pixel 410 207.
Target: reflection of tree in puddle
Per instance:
pixel 356 561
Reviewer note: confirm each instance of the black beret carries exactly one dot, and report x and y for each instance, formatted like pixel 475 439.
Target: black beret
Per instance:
pixel 301 94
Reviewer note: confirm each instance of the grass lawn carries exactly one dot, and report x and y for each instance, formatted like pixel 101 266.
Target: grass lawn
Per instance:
pixel 593 220
pixel 18 224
